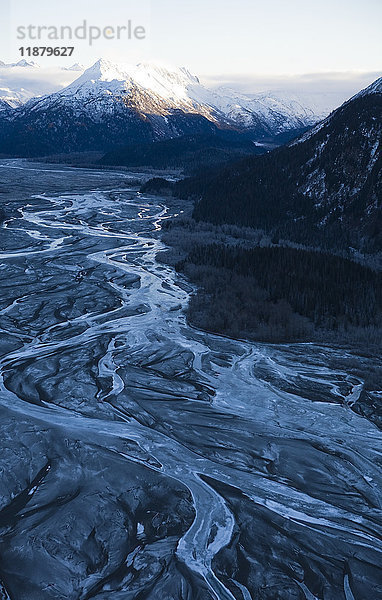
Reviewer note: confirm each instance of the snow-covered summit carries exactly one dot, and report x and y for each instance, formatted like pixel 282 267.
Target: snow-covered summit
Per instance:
pixel 374 88
pixel 102 70
pixel 160 80
pixel 148 89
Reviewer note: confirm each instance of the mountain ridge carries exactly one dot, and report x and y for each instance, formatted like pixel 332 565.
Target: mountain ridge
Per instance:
pixel 112 105
pixel 324 188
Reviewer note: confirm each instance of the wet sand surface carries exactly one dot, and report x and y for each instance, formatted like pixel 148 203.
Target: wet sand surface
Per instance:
pixel 144 459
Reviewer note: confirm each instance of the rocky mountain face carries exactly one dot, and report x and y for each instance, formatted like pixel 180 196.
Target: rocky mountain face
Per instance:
pixel 110 106
pixel 324 188
pixel 5 109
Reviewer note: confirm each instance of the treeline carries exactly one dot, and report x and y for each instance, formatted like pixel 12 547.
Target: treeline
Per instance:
pixel 189 153
pixel 283 294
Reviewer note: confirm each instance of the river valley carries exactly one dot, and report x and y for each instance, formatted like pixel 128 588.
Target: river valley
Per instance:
pixel 142 458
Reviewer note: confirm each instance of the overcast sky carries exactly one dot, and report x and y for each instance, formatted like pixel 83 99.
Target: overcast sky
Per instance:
pixel 249 44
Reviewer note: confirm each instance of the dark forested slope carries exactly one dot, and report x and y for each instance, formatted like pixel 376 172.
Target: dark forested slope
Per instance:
pixel 325 189
pixel 281 294
pixel 190 152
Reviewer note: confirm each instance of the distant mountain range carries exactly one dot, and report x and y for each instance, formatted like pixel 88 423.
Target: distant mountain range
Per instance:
pixel 24 80
pixel 323 189
pixel 21 63
pixel 109 106
pixel 12 95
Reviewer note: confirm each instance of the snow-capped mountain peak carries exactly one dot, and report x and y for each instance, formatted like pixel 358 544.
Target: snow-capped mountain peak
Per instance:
pixel 102 70
pixel 374 88
pixel 163 82
pixel 149 88
pixel 170 88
